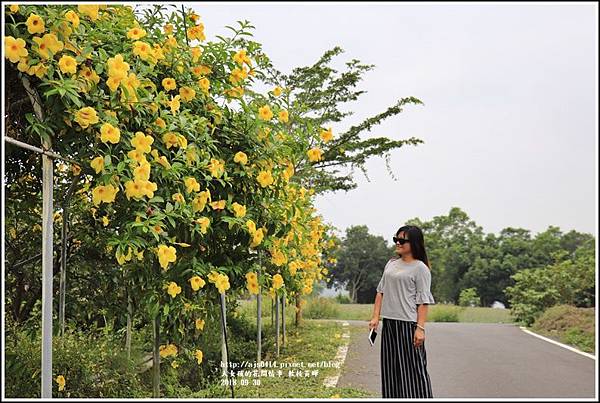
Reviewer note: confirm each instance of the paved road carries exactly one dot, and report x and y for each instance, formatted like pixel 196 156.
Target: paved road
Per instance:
pixel 481 360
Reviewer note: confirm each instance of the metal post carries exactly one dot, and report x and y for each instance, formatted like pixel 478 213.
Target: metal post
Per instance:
pixel 47 251
pixel 129 319
pixel 224 358
pixel 156 357
pixel 283 319
pixel 277 323
pixel 259 315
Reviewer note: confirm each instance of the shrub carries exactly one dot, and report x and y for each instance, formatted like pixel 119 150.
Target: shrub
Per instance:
pixel 320 308
pixel 469 297
pixel 343 299
pixel 445 313
pixel 571 325
pixel 93 366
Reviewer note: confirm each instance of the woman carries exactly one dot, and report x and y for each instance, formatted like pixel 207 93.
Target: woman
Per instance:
pixel 402 298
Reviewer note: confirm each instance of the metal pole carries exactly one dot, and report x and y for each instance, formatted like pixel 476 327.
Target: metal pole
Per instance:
pixel 259 314
pixel 47 252
pixel 129 318
pixel 283 319
pixel 277 323
pixel 156 357
pixel 224 358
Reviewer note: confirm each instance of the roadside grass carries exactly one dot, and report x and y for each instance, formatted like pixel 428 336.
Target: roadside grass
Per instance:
pixel 309 347
pixel 569 325
pixel 328 308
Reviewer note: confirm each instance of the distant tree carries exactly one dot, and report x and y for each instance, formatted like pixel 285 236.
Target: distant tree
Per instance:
pixel 361 260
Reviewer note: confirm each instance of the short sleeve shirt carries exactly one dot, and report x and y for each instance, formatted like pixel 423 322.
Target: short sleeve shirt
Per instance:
pixel 404 286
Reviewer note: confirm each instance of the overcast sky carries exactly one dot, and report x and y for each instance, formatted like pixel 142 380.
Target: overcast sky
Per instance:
pixel 510 116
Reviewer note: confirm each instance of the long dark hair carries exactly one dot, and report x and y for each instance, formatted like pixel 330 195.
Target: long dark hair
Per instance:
pixel 417 242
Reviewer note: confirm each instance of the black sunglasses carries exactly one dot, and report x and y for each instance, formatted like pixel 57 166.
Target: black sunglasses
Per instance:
pixel 401 241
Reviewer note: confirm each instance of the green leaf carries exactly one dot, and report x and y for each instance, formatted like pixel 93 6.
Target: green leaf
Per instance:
pixel 169 207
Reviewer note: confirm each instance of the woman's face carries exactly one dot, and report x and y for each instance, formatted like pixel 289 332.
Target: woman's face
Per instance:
pixel 402 249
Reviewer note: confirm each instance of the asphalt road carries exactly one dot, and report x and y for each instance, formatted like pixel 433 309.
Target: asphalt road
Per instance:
pixel 480 360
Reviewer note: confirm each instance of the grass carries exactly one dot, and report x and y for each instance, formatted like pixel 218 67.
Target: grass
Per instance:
pixel 569 325
pixel 304 345
pixel 437 312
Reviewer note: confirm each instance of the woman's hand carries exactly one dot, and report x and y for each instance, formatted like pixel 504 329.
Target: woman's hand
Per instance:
pixel 419 337
pixel 374 323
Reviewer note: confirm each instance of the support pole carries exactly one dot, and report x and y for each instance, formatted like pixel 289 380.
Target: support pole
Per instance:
pixel 47 247
pixel 283 299
pixel 259 314
pixel 277 323
pixel 156 357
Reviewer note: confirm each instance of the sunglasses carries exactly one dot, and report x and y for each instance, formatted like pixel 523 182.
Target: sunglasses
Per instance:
pixel 401 241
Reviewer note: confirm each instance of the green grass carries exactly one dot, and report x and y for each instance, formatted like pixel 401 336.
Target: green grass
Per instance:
pixel 568 325
pixel 436 313
pixel 304 345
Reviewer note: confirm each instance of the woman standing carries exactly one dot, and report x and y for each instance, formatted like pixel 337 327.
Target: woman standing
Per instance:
pixel 402 297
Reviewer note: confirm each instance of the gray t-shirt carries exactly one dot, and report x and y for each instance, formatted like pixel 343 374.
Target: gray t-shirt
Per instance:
pixel 404 286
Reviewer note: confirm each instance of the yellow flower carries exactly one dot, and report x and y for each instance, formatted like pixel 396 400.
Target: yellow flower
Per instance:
pixel 276 91
pixel 113 82
pixel 241 58
pixel 170 139
pixel 39 70
pixel 240 157
pixel 137 156
pixel 174 364
pixel 117 67
pixel 252 283
pixel 240 210
pixel 86 116
pixel 314 154
pixel 264 113
pixel 293 267
pixel 197 283
pixel 48 42
pixel 289 171
pixel 143 50
pixel 134 189
pixel 203 222
pixel 168 350
pixel 200 324
pixel 187 93
pixel 136 33
pixel 61 383
pixel 15 48
pixel 222 283
pixel 73 18
pixel 75 169
pixel 104 194
pixel 89 75
pixel 14 8
pixel 198 354
pixel 251 226
pixel 168 29
pixel 173 289
pixel 174 104
pixel 105 221
pixel 204 84
pixel 89 10
pixel 218 205
pixel 169 84
pixel 109 133
pixel 160 123
pixel 238 75
pixel 277 281
pixel 191 185
pixel 67 64
pixel 216 167
pixel 279 258
pixel 166 255
pixel 257 238
pixel 196 32
pixel 35 24
pixel 196 53
pixel 141 142
pixel 283 116
pixel 326 135
pixel 265 178
pixel 142 172
pixel 178 197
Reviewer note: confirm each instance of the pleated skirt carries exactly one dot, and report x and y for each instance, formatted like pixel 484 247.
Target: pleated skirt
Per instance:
pixel 403 367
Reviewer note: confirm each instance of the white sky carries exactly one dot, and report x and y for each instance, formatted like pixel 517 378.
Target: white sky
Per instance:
pixel 510 115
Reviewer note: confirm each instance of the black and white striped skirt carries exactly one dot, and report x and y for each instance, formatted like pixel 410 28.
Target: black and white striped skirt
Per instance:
pixel 403 367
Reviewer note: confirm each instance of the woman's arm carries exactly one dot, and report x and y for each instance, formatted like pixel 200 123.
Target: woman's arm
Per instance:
pixel 376 311
pixel 422 314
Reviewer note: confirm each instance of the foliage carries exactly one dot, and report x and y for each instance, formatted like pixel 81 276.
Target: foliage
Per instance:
pixel 468 297
pixel 343 299
pixel 320 308
pixel 360 261
pixel 566 281
pixel 445 313
pixel 92 364
pixel 569 324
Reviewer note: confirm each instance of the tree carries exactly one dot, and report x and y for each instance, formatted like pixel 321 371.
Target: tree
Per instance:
pixel 360 262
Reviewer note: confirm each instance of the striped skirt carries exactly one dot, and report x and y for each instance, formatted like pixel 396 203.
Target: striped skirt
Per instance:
pixel 403 367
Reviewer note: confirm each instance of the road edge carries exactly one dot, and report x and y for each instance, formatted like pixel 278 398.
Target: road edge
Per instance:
pixel 588 355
